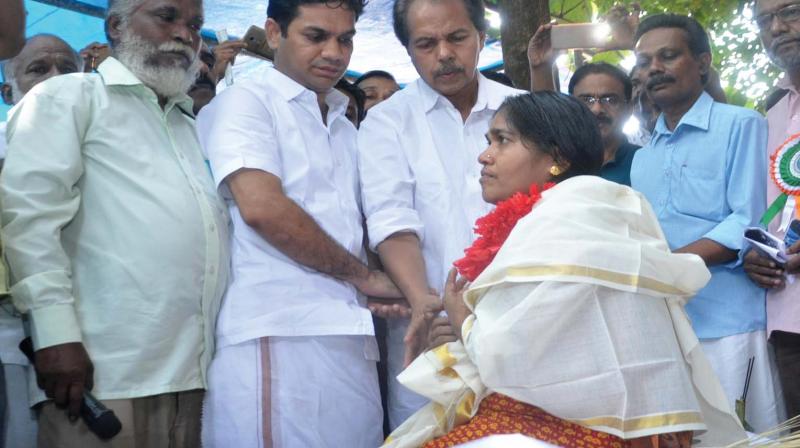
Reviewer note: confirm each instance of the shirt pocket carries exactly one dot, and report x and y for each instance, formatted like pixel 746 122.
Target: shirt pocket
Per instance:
pixel 699 193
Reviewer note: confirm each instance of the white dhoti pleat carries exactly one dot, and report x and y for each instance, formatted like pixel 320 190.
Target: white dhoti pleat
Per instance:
pixel 401 401
pixel 286 392
pixel 729 357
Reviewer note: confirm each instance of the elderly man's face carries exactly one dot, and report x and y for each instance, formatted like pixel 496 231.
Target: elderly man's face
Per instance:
pixel 779 27
pixel 443 44
pixel 42 58
pixel 668 70
pixel 159 42
pixel 173 26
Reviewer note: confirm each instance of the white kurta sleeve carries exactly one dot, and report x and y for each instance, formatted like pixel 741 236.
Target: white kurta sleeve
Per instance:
pixel 40 196
pixel 236 131
pixel 387 183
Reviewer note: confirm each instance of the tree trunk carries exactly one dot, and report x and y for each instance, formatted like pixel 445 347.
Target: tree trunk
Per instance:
pixel 520 19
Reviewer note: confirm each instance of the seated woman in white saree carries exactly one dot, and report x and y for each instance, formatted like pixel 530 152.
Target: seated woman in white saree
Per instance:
pixel 572 330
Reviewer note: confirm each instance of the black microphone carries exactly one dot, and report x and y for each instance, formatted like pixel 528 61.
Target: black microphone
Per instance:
pixel 98 418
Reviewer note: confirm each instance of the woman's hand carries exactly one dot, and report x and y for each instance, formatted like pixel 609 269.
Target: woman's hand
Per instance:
pixel 422 315
pixel 441 332
pixel 457 310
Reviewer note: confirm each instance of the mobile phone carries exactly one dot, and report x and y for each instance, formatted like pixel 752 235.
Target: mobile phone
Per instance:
pixel 580 35
pixel 766 244
pixel 256 40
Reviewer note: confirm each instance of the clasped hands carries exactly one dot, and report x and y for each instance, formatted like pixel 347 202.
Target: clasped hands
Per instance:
pixel 428 328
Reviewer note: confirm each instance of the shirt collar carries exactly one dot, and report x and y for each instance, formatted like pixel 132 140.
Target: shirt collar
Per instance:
pixel 114 73
pixel 488 97
pixel 286 87
pixel 291 90
pixel 699 116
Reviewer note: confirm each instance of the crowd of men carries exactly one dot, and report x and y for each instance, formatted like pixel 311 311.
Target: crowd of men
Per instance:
pixel 199 261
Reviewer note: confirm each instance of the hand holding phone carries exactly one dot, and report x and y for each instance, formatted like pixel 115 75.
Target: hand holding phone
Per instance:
pixel 580 36
pixel 255 40
pixel 766 244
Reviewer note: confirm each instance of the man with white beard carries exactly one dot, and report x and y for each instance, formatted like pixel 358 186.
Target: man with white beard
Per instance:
pixel 115 237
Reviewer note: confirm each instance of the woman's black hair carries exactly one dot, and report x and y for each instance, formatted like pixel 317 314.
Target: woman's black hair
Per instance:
pixel 559 125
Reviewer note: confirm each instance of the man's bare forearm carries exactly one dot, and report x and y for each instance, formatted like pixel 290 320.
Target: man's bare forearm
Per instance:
pixel 710 251
pixel 300 238
pixel 542 79
pixel 287 227
pixel 401 256
pixel 12 28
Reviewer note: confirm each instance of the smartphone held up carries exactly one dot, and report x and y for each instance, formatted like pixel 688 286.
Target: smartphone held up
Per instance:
pixel 580 36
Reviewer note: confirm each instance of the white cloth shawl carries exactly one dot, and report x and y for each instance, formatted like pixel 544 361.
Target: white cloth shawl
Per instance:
pixel 581 314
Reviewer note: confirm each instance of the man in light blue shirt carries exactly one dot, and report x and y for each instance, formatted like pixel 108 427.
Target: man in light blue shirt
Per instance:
pixel 703 173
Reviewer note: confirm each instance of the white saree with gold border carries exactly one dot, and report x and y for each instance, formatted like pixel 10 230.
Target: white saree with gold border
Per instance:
pixel 580 314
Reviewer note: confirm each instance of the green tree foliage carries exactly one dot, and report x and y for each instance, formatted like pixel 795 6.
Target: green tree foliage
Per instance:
pixel 744 69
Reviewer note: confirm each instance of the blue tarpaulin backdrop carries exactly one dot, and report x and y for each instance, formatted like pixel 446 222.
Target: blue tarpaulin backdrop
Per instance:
pixel 79 22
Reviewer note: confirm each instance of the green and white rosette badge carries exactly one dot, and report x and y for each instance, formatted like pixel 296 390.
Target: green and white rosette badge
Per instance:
pixel 785 172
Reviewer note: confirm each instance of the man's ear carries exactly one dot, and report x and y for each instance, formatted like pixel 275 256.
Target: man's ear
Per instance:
pixel 274 34
pixel 7 93
pixel 113 28
pixel 705 64
pixel 482 36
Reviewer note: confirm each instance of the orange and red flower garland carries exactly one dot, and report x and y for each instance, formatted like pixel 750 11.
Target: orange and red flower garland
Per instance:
pixel 494 228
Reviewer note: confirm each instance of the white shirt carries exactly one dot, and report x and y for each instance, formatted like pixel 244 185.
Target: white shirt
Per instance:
pixel 419 169
pixel 11 330
pixel 274 124
pixel 113 230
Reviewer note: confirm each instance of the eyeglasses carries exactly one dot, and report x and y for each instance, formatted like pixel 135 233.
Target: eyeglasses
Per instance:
pixel 606 100
pixel 787 14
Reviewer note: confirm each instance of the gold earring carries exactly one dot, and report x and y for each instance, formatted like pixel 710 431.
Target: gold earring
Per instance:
pixel 555 170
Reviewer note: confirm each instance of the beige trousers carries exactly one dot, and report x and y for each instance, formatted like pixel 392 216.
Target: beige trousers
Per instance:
pixel 161 421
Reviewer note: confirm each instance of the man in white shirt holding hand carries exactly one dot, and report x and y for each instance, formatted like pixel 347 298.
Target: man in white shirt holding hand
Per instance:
pixel 296 358
pixel 418 161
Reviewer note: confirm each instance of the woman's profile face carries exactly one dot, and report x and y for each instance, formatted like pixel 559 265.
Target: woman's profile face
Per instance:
pixel 509 165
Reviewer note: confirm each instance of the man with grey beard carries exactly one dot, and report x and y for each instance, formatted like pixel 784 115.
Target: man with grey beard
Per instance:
pixel 779 27
pixel 115 237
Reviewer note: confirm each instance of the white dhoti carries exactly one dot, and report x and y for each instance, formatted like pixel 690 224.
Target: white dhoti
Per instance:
pixel 729 357
pixel 401 402
pixel 287 392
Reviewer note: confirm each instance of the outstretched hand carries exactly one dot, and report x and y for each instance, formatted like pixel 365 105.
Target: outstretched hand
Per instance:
pixel 225 54
pixel 540 48
pixel 624 21
pixel 416 338
pixel 389 308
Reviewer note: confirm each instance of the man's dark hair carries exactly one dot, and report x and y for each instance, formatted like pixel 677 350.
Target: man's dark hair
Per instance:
pixel 602 68
pixel 284 11
pixel 502 78
pixel 559 125
pixel 697 36
pixel 475 10
pixel 374 74
pixel 358 94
